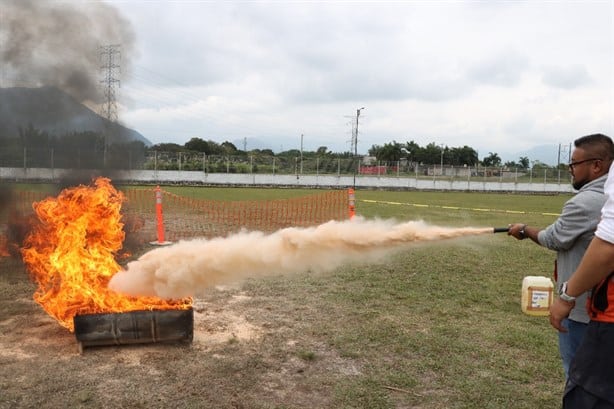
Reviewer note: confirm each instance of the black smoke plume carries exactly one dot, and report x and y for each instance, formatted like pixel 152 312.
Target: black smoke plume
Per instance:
pixel 58 43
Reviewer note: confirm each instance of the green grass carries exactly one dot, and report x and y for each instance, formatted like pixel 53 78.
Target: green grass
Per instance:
pixel 434 326
pixel 443 320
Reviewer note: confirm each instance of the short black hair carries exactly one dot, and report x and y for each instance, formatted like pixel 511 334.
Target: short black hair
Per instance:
pixel 598 144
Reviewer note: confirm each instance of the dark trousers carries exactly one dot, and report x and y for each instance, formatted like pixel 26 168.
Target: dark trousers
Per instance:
pixel 578 398
pixel 591 377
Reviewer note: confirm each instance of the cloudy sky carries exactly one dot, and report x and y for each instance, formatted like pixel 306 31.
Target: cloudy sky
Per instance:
pixel 499 76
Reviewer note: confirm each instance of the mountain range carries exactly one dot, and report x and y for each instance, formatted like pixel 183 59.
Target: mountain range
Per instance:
pixel 56 112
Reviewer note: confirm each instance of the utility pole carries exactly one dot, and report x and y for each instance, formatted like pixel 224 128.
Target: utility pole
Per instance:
pixel 355 143
pixel 563 150
pixel 109 58
pixel 442 159
pixel 301 154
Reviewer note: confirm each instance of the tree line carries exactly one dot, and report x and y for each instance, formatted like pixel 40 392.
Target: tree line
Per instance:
pixel 411 151
pixel 93 148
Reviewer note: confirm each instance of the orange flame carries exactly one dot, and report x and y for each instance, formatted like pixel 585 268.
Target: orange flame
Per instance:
pixel 70 255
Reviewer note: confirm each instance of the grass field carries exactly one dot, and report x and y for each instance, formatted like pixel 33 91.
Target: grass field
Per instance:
pixel 436 325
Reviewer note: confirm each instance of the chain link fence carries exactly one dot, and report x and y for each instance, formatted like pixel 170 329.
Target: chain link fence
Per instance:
pixel 330 164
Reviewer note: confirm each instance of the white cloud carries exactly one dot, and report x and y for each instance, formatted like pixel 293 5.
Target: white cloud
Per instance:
pixel 498 76
pixel 504 70
pixel 566 77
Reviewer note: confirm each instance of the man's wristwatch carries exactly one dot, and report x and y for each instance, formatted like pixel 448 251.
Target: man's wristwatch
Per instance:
pixel 522 233
pixel 563 294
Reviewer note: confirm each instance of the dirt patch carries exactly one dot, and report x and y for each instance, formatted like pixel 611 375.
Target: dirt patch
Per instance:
pixel 243 355
pixel 220 322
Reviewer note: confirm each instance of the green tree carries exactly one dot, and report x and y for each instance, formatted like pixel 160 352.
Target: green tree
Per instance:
pixel 167 147
pixel 390 152
pixel 198 145
pixel 538 165
pixel 208 147
pixel 431 154
pixel 492 159
pixel 322 151
pixel 292 153
pixel 412 151
pixel 229 148
pixel 262 152
pixel 462 156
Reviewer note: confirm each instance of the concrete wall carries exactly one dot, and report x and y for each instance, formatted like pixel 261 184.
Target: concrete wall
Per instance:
pixel 324 181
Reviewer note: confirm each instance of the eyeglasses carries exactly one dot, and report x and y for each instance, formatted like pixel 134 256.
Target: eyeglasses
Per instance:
pixel 572 164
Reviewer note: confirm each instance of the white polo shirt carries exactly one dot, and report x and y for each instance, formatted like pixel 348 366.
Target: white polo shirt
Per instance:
pixel 605 229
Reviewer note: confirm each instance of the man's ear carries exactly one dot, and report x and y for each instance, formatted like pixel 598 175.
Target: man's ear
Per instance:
pixel 601 166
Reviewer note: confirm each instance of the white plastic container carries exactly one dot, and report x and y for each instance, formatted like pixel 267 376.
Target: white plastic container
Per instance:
pixel 537 295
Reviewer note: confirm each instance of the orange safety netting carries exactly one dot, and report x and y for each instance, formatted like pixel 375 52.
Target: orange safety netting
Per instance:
pixel 185 217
